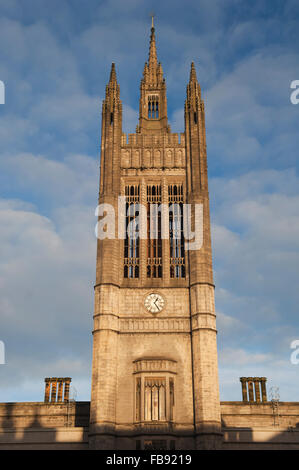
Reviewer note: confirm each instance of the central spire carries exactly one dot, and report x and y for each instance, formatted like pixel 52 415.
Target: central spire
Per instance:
pixel 153 102
pixel 152 57
pixel 153 72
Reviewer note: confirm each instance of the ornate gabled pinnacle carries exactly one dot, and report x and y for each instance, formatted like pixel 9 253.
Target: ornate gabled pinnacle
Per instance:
pixel 145 70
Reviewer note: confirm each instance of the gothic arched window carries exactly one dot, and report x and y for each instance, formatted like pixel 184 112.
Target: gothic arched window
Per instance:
pixel 154 391
pixel 154 399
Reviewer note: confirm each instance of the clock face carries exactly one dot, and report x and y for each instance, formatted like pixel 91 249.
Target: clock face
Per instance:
pixel 154 303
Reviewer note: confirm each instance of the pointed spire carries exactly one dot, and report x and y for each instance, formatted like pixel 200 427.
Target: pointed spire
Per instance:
pixel 113 74
pixel 152 57
pixel 153 100
pixel 112 88
pixel 193 77
pixel 193 87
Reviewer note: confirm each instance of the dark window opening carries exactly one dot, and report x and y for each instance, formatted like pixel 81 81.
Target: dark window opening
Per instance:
pixel 172 445
pixel 138 444
pixel 153 107
pixel 155 444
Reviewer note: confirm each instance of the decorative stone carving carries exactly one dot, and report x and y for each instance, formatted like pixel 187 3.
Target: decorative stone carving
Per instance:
pixel 125 159
pixel 147 159
pixel 146 325
pixel 157 159
pixel 154 365
pixel 136 159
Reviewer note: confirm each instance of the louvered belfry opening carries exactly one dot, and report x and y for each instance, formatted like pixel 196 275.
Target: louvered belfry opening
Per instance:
pixel 131 246
pixel 153 107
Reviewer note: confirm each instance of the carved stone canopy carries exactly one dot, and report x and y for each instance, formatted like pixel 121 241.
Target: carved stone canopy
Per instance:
pixel 154 365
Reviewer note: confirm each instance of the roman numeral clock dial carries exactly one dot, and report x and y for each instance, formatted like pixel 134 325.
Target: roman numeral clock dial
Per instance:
pixel 154 303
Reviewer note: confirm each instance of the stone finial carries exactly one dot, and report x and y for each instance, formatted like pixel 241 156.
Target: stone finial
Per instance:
pixel 153 16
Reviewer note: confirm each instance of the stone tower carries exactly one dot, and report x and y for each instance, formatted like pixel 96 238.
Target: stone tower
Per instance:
pixel 154 372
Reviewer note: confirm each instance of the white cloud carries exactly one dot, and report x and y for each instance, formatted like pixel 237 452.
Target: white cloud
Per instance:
pixel 73 178
pixel 256 256
pixel 228 325
pixel 250 121
pixel 46 273
pixel 241 357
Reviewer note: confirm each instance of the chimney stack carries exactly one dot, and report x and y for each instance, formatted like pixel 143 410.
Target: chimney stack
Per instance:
pixel 57 389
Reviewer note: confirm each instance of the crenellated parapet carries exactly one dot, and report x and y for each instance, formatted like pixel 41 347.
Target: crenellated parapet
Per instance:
pixel 152 140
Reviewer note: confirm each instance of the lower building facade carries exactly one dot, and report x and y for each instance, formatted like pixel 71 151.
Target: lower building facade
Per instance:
pixel 65 426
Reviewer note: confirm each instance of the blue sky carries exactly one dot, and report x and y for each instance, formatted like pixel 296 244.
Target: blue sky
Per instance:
pixel 55 60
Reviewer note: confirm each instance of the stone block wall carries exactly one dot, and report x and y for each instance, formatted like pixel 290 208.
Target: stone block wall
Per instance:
pixel 35 425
